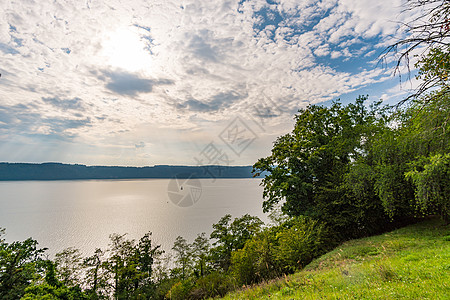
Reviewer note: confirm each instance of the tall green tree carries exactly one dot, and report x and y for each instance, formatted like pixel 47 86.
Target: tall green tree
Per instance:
pixel 183 257
pixel 130 266
pixel 96 280
pixel 308 167
pixel 200 252
pixel 20 264
pixel 68 264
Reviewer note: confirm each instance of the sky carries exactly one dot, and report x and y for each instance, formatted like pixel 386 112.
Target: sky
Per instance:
pixel 146 82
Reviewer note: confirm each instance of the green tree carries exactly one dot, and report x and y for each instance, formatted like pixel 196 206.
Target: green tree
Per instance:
pixel 307 168
pixel 49 292
pixel 433 186
pixel 95 275
pixel 20 264
pixel 68 264
pixel 146 254
pixel 412 148
pixel 121 265
pixel 232 236
pixel 130 266
pixel 52 288
pixel 300 240
pixel 389 156
pixel 183 257
pixel 200 251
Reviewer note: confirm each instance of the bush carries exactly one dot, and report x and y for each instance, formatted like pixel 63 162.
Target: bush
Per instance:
pixel 212 285
pixel 299 242
pixel 256 261
pixel 180 290
pixel 280 250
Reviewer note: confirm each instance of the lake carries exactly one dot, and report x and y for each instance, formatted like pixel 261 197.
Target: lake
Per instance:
pixel 82 214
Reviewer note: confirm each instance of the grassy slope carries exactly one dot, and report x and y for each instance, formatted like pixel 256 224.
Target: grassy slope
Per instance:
pixel 409 263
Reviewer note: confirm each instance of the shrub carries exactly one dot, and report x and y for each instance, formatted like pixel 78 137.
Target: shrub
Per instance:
pixel 256 261
pixel 180 290
pixel 212 285
pixel 299 242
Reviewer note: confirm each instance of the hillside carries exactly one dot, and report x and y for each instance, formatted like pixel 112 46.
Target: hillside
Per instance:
pixel 59 171
pixel 409 263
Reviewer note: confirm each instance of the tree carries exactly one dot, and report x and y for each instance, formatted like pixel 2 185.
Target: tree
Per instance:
pixel 183 256
pixel 68 263
pixel 429 33
pixel 20 263
pixel 200 251
pixel 121 265
pixel 389 159
pixel 300 240
pixel 307 168
pixel 232 237
pixel 426 131
pixel 256 261
pixel 95 277
pixel 146 254
pixel 130 266
pixel 433 186
pixel 52 288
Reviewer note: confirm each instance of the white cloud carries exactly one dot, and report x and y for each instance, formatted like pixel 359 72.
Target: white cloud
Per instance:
pixel 197 62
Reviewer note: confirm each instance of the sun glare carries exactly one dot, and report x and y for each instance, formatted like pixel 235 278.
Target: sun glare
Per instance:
pixel 126 49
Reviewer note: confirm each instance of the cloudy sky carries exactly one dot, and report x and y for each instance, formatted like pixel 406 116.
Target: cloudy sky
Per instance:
pixel 145 82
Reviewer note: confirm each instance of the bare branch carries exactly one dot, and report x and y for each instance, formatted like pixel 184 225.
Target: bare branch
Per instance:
pixel 430 30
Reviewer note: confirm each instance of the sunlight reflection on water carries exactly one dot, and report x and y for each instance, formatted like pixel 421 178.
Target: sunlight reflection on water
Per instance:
pixel 82 214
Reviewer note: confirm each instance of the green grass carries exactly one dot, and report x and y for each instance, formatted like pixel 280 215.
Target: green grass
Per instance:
pixel 410 263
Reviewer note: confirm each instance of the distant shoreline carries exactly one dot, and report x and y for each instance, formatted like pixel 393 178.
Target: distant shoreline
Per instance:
pixel 60 171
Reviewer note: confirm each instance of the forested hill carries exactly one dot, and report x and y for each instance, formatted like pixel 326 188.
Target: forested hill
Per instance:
pixel 59 171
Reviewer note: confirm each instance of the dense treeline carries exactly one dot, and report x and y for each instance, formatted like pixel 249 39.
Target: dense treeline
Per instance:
pixel 59 171
pixel 344 171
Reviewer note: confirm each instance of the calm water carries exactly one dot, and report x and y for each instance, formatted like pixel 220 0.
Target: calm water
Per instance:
pixel 82 214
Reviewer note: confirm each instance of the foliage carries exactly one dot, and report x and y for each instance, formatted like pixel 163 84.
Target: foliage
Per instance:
pixel 433 185
pixel 183 257
pixel 212 285
pixel 344 171
pixel 181 290
pixel 435 66
pixel 422 137
pixel 200 252
pixel 368 215
pixel 130 266
pixel 308 167
pixel 257 260
pixel 68 263
pixel 96 280
pixel 20 264
pixel 389 158
pixel 280 250
pixel 300 241
pixel 409 263
pixel 50 292
pixel 232 236
pixel 52 288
